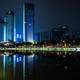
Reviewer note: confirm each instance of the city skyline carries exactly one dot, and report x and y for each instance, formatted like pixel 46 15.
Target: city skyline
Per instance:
pixel 11 30
pixel 48 14
pixel 39 39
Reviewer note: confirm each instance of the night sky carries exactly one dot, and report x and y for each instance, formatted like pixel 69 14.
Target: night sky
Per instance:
pixel 48 13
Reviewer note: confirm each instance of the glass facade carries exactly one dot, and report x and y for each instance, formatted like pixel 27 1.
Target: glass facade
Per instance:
pixel 29 22
pixel 9 27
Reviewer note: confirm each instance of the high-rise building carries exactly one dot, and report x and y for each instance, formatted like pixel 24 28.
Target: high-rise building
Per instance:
pixel 9 27
pixel 28 25
pixel 61 32
pixel 43 36
pixel 23 30
pixel 1 28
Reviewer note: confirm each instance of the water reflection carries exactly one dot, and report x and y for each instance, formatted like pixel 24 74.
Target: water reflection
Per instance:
pixel 39 67
pixel 6 67
pixel 16 67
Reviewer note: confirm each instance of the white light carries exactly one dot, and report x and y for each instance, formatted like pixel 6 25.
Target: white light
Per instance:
pixel 30 59
pixel 4 63
pixel 14 65
pixel 20 36
pixel 23 23
pixel 31 56
pixel 4 30
pixel 6 54
pixel 14 30
pixel 78 49
pixel 30 40
pixel 19 59
pixel 14 57
pixel 17 35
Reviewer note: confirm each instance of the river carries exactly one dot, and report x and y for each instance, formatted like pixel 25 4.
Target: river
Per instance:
pixel 39 67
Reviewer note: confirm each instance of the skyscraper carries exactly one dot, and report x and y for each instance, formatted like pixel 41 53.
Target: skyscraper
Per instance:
pixel 1 28
pixel 28 25
pixel 23 30
pixel 9 27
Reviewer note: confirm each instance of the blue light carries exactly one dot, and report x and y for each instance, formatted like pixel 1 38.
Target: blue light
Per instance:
pixel 17 35
pixel 20 36
pixel 18 58
pixel 4 65
pixel 14 65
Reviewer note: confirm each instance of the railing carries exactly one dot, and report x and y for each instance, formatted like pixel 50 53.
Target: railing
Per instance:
pixel 40 49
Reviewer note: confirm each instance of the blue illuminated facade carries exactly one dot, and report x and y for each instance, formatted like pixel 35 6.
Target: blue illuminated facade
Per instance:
pixel 19 25
pixel 27 31
pixel 29 22
pixel 9 27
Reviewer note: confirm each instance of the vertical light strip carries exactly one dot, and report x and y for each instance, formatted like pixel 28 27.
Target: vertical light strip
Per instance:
pixel 14 30
pixel 4 30
pixel 4 74
pixel 23 22
pixel 24 67
pixel 14 66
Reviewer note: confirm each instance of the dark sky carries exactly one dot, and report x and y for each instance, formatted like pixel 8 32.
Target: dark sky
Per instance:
pixel 50 13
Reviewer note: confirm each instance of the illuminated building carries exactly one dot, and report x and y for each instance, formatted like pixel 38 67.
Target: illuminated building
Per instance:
pixel 9 27
pixel 43 36
pixel 28 25
pixel 38 37
pixel 19 27
pixel 1 28
pixel 57 33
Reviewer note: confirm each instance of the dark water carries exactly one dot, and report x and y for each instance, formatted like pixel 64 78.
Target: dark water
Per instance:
pixel 40 67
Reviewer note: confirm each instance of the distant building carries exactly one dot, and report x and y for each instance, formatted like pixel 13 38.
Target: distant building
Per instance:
pixel 9 27
pixel 58 33
pixel 43 36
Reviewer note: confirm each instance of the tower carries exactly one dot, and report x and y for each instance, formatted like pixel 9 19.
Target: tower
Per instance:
pixel 9 27
pixel 28 27
pixel 1 28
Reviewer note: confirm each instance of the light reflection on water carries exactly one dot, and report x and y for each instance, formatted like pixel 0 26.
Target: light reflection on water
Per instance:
pixel 15 67
pixel 34 67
